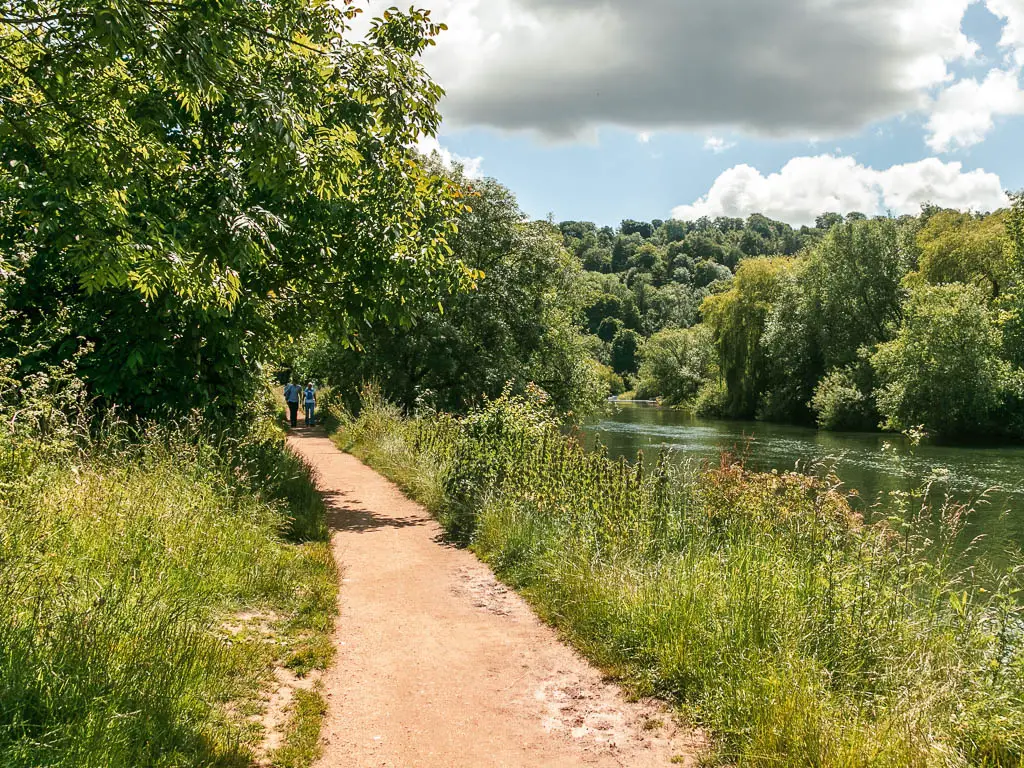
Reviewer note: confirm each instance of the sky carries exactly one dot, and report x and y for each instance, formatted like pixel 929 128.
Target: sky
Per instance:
pixel 642 109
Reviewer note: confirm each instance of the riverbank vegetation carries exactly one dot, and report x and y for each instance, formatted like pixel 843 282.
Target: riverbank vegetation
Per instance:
pixel 761 605
pixel 853 324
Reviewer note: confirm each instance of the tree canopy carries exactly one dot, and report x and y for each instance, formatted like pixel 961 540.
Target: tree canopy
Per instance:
pixel 190 191
pixel 518 327
pixel 961 248
pixel 185 185
pixel 854 323
pixel 943 369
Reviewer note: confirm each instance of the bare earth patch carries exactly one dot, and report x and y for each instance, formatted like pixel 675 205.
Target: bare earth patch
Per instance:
pixel 259 622
pixel 278 710
pixel 276 701
pixel 484 591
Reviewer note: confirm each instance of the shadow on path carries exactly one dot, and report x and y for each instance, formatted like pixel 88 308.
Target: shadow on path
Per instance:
pixel 345 513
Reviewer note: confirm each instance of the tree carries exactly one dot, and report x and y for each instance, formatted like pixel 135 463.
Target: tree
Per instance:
pixel 185 185
pixel 826 221
pixel 754 244
pixel 675 306
pixel 675 364
pixel 577 229
pixel 642 228
pixel 943 370
pixel 843 296
pixel 959 247
pixel 851 284
pixel 706 273
pixel 1011 303
pixel 625 347
pixel 737 320
pixel 597 259
pixel 603 307
pixel 623 249
pixel 519 327
pixel 609 329
pixel 702 247
pixel 674 230
pixel 646 258
pixel 791 355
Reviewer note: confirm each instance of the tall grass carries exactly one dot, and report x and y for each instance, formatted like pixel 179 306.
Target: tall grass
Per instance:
pixel 760 604
pixel 148 585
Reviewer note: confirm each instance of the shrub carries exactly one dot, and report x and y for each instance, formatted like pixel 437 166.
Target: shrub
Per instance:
pixel 839 404
pixel 712 400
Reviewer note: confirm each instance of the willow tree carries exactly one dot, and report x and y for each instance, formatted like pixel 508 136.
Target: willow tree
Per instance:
pixel 737 319
pixel 183 185
pixel 964 248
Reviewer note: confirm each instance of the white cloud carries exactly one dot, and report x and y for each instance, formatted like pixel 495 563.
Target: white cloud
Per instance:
pixel 1012 12
pixel 717 144
pixel 774 67
pixel 644 137
pixel 809 186
pixel 964 113
pixel 471 166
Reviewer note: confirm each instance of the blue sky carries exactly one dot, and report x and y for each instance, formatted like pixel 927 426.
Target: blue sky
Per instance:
pixel 589 110
pixel 620 178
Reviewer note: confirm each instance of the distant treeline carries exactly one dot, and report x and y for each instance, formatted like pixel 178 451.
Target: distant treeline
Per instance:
pixel 854 323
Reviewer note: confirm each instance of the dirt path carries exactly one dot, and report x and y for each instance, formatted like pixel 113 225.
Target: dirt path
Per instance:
pixel 439 666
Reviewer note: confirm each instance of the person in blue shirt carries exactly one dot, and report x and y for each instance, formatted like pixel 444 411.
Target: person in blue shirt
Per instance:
pixel 291 396
pixel 310 399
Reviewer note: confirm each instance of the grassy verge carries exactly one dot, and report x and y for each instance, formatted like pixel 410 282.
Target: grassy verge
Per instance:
pixel 761 605
pixel 302 739
pixel 148 588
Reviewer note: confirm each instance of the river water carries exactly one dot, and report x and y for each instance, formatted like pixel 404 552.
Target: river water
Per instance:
pixel 990 479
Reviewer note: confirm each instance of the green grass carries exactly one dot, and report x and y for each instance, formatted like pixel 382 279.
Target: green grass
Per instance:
pixel 302 744
pixel 760 605
pixel 124 566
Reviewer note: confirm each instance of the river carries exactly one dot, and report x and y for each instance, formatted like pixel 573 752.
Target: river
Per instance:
pixel 873 464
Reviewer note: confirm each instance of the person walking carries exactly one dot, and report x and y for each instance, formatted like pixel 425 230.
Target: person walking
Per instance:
pixel 310 398
pixel 291 396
